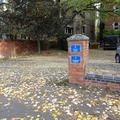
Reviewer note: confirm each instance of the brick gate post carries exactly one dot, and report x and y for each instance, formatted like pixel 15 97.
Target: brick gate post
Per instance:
pixel 78 51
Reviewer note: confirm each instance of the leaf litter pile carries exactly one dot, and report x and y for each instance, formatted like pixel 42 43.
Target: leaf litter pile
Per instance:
pixel 38 89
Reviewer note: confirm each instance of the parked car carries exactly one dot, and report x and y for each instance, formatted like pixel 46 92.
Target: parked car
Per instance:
pixel 110 42
pixel 117 56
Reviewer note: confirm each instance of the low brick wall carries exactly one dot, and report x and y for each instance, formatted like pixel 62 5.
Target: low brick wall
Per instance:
pixel 109 82
pixel 12 48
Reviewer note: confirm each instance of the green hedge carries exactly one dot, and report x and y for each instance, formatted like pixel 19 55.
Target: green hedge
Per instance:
pixel 111 32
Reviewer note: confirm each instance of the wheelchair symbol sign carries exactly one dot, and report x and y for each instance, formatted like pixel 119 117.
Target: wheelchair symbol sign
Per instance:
pixel 75 48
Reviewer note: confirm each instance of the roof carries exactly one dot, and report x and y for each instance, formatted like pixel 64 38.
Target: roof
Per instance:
pixel 78 37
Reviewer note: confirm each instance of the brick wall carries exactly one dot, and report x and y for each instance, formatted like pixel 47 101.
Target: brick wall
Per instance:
pixel 109 82
pixel 111 19
pixel 12 48
pixel 78 51
pixel 109 23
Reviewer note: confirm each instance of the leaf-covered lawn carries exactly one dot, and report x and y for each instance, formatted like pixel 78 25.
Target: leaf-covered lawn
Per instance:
pixel 37 88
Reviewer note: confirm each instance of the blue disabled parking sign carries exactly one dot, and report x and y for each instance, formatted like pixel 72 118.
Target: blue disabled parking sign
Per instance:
pixel 75 48
pixel 75 59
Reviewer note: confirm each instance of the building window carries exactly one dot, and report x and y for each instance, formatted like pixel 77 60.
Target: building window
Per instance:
pixel 69 30
pixel 115 26
pixel 0 35
pixel 116 8
pixel 83 29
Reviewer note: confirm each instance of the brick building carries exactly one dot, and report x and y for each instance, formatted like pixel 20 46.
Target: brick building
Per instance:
pixel 110 29
pixel 113 22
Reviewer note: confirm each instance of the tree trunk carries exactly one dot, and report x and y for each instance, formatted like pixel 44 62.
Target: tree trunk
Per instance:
pixel 39 48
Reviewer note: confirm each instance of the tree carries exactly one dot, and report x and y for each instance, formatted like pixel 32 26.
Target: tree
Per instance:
pixel 41 19
pixel 102 6
pixel 37 19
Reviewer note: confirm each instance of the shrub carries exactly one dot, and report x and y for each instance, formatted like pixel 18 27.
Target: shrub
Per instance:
pixel 111 32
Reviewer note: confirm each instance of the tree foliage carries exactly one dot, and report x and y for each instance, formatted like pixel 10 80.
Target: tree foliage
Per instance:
pixel 34 18
pixel 44 18
pixel 104 7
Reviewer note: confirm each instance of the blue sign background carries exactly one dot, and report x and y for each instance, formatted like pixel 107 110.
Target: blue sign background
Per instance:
pixel 75 48
pixel 75 59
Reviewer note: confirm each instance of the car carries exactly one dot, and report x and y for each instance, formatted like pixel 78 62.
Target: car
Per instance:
pixel 117 56
pixel 110 42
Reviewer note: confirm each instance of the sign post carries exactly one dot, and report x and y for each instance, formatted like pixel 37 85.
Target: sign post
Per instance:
pixel 78 51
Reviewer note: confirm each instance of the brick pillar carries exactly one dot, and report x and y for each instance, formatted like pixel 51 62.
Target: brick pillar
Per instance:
pixel 78 51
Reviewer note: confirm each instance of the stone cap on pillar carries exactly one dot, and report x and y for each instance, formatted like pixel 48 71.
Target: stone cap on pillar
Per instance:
pixel 78 37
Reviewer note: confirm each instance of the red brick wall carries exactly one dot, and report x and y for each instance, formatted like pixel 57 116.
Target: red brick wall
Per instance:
pixel 77 71
pixel 111 19
pixel 10 48
pixel 109 23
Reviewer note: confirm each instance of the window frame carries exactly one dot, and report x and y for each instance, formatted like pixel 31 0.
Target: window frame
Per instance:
pixel 116 8
pixel 67 30
pixel 116 27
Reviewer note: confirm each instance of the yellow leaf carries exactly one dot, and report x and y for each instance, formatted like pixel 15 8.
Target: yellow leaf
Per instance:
pixel 54 115
pixel 44 111
pixel 94 118
pixel 58 113
pixel 59 94
pixel 93 103
pixel 37 119
pixel 21 118
pixel 76 113
pixel 80 117
pixel 36 103
pixel 87 91
pixel 36 110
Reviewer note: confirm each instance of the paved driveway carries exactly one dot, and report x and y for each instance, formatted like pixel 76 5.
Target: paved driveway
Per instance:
pixel 103 63
pixel 36 88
